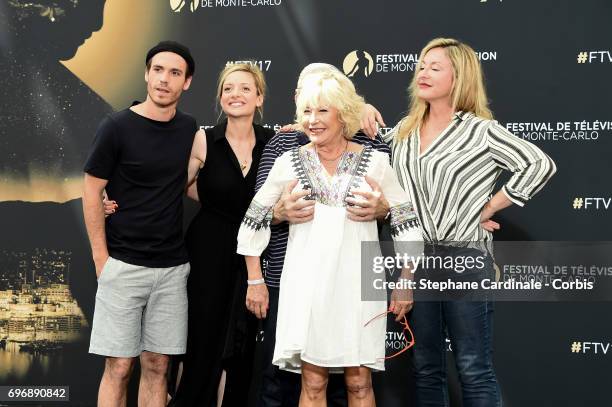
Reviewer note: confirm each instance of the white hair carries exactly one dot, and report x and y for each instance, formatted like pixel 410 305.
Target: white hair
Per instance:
pixel 315 68
pixel 331 89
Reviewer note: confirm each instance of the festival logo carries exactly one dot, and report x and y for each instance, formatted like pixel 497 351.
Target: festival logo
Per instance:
pixel 362 64
pixel 561 131
pixel 177 5
pixel 358 63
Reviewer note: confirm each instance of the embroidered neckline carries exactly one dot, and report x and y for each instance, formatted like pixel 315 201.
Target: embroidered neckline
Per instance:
pixel 362 167
pixel 300 172
pixel 332 190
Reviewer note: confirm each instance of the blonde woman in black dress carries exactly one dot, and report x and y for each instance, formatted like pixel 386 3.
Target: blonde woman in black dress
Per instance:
pixel 221 330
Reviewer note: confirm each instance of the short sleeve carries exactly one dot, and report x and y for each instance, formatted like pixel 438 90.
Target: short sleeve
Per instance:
pixel 104 152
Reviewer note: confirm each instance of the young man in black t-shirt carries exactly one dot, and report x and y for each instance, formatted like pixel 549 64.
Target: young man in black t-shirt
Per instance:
pixel 140 157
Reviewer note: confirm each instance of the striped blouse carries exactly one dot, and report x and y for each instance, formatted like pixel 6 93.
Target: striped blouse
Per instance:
pixel 454 177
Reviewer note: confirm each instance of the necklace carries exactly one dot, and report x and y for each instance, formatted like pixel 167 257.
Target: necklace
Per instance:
pixel 243 163
pixel 334 159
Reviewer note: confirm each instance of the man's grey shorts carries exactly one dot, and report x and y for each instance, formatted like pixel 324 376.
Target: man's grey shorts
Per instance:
pixel 140 309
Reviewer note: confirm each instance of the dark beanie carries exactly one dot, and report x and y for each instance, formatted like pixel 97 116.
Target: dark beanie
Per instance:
pixel 174 47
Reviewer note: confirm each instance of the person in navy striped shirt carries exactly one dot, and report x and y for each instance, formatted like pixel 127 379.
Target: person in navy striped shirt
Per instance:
pixel 278 387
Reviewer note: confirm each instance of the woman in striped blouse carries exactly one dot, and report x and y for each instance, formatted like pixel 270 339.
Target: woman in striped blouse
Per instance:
pixel 448 154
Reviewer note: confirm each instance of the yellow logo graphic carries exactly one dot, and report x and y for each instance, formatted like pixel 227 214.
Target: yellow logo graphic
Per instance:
pixel 177 5
pixel 358 63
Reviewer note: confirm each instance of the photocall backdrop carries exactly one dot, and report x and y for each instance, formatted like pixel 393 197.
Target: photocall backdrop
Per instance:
pixel 65 64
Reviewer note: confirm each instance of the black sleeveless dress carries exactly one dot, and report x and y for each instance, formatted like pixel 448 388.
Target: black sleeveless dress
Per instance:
pixel 221 330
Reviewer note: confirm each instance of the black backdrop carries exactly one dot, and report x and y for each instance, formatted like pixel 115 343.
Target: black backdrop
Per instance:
pixel 547 67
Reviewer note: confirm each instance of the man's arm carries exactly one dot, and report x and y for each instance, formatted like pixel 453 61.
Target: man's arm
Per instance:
pixel 370 120
pixel 93 212
pixel 289 207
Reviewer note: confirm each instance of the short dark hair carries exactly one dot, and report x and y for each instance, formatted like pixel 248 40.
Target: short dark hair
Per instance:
pixel 176 48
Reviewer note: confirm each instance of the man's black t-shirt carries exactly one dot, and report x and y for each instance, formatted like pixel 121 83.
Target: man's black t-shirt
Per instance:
pixel 145 163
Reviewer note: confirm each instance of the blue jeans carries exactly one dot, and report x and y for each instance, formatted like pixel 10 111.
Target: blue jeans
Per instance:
pixel 469 326
pixel 467 317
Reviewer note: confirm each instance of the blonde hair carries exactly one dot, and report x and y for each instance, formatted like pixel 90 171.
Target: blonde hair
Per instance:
pixel 315 68
pixel 258 78
pixel 331 89
pixel 468 93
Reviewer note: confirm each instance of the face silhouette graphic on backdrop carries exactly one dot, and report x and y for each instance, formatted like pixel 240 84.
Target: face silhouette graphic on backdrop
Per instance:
pixel 48 118
pixel 48 115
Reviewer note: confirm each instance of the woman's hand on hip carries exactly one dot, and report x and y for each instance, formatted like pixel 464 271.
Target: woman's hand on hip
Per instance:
pixel 485 218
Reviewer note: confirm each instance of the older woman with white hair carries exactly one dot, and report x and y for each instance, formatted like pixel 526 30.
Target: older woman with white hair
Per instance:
pixel 279 387
pixel 321 283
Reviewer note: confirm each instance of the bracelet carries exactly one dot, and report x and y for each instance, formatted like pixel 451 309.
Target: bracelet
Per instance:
pixel 256 282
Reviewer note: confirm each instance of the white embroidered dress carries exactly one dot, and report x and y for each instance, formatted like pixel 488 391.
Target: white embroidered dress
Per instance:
pixel 321 316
